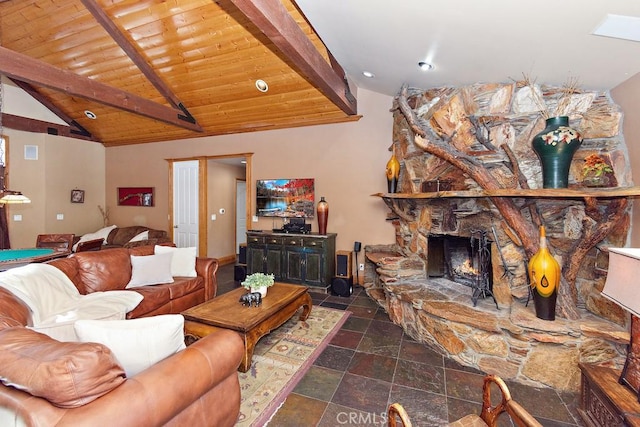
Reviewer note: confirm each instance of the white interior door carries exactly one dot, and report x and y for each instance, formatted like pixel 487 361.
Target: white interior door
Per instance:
pixel 185 204
pixel 241 214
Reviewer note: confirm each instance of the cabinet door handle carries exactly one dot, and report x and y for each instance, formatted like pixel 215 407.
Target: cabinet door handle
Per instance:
pixel 292 242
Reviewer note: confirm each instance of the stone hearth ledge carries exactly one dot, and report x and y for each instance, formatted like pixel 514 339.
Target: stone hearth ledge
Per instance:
pixel 510 341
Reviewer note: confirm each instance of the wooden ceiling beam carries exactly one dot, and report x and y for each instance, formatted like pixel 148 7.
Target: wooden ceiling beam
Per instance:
pixel 39 73
pixel 273 19
pixel 125 44
pixel 38 126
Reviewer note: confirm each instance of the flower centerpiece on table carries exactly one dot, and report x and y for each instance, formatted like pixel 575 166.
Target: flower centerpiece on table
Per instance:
pixel 595 172
pixel 258 282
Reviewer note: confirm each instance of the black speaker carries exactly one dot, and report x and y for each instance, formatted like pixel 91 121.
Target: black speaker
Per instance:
pixel 342 286
pixel 242 253
pixel 357 246
pixel 239 272
pixel 343 264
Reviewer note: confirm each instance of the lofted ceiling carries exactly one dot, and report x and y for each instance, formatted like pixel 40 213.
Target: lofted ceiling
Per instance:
pixel 163 70
pixel 155 70
pixel 472 41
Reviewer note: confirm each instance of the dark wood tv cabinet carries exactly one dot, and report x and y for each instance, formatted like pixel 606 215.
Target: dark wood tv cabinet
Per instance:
pixel 604 401
pixel 304 259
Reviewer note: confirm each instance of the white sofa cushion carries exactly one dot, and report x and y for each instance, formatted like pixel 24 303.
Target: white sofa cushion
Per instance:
pixel 139 237
pixel 183 262
pixel 136 343
pixel 150 270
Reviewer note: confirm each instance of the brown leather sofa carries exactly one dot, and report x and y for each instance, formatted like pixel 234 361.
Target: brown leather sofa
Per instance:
pixel 196 387
pixel 110 269
pixel 120 237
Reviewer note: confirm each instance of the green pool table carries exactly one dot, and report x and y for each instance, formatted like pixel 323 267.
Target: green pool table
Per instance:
pixel 11 258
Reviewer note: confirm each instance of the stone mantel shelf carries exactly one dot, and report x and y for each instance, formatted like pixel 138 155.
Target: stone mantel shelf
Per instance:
pixel 565 193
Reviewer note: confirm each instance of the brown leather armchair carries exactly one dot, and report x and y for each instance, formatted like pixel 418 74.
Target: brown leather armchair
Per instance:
pixel 56 241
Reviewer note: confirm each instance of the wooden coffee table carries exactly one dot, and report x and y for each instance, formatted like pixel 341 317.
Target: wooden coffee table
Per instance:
pixel 252 323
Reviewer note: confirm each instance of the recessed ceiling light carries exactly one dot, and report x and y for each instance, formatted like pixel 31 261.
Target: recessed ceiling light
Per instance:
pixel 368 74
pixel 90 114
pixel 262 86
pixel 425 66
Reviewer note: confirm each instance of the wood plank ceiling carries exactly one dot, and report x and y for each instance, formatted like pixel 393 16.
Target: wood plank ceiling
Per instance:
pixel 162 70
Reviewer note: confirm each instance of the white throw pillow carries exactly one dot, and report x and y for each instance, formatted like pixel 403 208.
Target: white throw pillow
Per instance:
pixel 103 233
pixel 139 237
pixel 136 343
pixel 183 262
pixel 150 270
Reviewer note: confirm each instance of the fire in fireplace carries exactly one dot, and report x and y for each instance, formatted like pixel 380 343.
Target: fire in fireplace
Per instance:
pixel 464 260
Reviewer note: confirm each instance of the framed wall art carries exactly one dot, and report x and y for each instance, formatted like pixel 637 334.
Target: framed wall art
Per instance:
pixel 77 196
pixel 135 196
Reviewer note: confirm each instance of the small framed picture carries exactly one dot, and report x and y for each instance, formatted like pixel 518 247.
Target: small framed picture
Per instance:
pixel 77 196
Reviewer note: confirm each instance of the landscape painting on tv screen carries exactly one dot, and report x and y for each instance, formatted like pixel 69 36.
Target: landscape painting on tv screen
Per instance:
pixel 285 198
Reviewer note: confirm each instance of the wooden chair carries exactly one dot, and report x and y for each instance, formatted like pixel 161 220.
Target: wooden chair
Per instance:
pixel 55 241
pixel 488 415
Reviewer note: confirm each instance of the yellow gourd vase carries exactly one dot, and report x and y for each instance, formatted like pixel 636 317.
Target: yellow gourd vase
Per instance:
pixel 393 173
pixel 544 273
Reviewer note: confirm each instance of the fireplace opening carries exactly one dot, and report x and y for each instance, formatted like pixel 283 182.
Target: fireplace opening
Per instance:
pixel 464 260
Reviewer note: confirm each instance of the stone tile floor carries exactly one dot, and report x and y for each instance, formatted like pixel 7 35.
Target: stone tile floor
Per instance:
pixel 371 363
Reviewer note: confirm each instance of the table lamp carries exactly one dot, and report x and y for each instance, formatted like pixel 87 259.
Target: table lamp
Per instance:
pixel 623 288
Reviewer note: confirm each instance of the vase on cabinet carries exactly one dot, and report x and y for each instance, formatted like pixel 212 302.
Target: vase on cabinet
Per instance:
pixel 544 274
pixel 323 216
pixel 555 147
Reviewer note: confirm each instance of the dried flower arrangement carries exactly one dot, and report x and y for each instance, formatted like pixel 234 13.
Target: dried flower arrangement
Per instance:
pixel 105 214
pixel 563 107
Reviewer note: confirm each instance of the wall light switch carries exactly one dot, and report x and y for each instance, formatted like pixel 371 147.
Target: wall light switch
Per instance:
pixel 213 217
pixel 254 218
pixel 17 217
pixel 59 217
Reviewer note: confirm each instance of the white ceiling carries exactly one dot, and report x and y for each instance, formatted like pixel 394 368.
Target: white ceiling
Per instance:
pixel 474 41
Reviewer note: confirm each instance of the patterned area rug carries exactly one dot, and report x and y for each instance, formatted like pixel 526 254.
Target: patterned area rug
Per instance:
pixel 281 359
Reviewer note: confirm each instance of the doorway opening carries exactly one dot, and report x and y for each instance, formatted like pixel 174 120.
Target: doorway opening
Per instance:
pixel 218 226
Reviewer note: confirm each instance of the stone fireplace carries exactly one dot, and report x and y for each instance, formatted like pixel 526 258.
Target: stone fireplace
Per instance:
pixel 425 281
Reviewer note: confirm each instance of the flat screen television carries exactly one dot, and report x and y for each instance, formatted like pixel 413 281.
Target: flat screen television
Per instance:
pixel 285 198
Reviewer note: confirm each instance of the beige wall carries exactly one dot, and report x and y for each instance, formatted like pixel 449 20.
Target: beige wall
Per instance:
pixel 347 161
pixel 627 95
pixel 62 165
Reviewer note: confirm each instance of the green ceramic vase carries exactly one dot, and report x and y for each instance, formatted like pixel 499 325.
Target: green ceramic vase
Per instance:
pixel 555 146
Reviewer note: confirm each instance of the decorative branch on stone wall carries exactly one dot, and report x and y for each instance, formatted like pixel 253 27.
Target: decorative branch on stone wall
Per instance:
pixel 447 131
